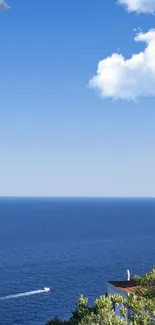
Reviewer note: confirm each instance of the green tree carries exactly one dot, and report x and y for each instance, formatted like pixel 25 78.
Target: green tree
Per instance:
pixel 102 313
pixel 56 321
pixel 146 284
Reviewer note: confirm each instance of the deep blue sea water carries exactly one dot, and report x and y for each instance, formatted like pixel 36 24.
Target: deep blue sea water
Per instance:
pixel 72 246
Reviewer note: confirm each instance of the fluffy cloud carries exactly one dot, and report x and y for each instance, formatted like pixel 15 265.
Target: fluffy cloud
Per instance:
pixel 3 5
pixel 130 79
pixel 140 6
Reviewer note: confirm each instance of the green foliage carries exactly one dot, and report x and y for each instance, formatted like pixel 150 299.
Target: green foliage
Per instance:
pixel 56 321
pixel 81 310
pixel 102 313
pixel 146 284
pixel 142 310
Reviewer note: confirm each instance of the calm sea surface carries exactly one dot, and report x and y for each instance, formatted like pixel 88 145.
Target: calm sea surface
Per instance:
pixel 72 246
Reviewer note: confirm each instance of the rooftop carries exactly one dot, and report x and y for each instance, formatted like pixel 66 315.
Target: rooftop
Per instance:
pixel 126 286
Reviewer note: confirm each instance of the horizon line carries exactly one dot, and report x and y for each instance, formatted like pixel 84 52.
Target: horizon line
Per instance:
pixel 76 196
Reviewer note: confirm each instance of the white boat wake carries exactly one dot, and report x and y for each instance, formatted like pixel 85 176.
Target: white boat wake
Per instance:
pixel 23 294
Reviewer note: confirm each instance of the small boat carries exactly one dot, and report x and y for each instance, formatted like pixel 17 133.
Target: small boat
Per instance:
pixel 46 289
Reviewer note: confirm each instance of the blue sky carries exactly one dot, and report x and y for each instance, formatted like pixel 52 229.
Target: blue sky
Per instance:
pixel 59 137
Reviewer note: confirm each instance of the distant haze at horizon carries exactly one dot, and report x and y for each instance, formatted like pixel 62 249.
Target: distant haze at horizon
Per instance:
pixel 76 197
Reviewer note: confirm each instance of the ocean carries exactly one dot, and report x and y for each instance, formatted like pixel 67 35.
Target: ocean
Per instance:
pixel 73 246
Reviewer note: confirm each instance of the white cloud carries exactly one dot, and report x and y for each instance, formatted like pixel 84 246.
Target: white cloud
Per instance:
pixel 130 79
pixel 140 6
pixel 3 5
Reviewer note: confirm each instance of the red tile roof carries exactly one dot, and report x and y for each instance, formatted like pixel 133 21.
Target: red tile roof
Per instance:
pixel 126 286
